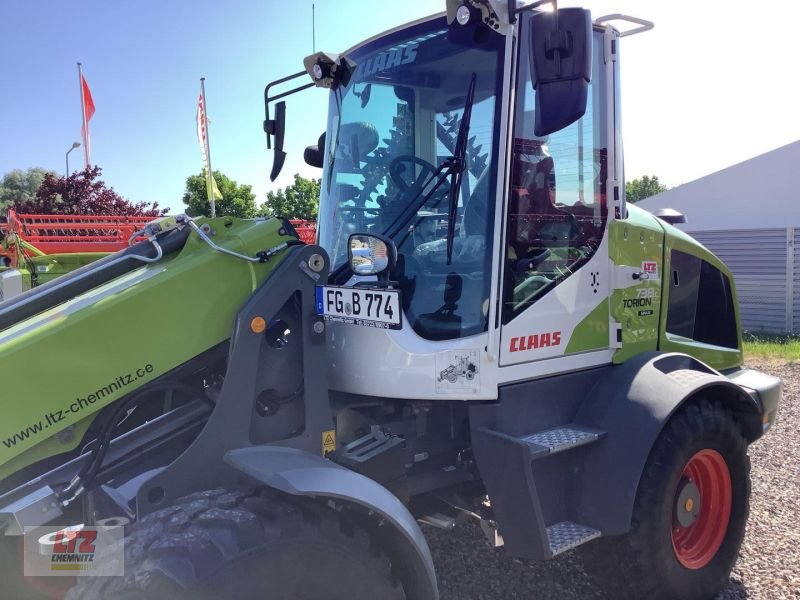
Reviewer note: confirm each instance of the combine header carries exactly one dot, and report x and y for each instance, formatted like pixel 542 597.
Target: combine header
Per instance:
pixel 35 249
pixel 306 230
pixel 71 234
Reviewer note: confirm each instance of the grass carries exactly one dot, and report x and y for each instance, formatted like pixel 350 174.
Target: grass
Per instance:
pixel 762 345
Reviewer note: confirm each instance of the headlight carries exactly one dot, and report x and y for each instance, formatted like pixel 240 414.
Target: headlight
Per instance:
pixel 463 14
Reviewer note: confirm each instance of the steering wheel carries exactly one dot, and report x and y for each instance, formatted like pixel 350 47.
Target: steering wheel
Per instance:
pixel 397 169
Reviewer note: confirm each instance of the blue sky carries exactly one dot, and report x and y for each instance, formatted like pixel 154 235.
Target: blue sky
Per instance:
pixel 697 95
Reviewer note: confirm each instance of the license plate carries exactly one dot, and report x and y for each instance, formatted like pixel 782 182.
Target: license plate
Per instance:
pixel 360 306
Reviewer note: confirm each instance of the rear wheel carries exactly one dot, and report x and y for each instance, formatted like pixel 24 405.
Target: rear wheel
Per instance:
pixel 689 517
pixel 219 544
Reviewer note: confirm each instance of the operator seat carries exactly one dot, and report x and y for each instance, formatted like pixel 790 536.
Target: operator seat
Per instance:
pixel 464 278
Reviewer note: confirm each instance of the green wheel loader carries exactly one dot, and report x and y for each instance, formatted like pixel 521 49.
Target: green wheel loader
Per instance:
pixel 485 330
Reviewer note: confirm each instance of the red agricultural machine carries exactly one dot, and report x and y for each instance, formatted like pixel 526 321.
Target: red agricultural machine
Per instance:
pixel 306 230
pixel 39 235
pixel 35 249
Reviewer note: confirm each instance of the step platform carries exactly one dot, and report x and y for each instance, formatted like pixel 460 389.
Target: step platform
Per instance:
pixel 568 535
pixel 559 439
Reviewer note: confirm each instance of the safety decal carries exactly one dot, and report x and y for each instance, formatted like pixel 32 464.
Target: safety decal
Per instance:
pixel 328 441
pixel 457 371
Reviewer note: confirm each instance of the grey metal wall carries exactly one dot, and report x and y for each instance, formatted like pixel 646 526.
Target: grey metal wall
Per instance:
pixel 766 268
pixel 796 308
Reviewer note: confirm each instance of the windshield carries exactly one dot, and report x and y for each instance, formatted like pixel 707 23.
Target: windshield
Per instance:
pixel 388 131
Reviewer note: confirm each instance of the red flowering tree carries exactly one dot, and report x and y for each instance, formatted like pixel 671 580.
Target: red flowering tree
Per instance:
pixel 82 193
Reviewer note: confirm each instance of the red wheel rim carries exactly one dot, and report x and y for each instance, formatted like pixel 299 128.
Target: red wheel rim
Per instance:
pixel 697 544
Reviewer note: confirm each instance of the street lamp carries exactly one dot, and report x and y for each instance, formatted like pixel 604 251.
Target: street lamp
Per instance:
pixel 74 145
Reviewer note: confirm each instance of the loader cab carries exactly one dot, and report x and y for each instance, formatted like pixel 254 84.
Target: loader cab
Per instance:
pixel 519 260
pixel 388 131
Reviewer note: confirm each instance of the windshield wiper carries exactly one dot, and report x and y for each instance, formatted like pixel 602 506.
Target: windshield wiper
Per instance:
pixel 419 200
pixel 457 166
pixel 452 167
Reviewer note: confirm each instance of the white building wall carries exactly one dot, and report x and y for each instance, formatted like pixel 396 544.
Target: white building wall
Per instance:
pixel 796 303
pixel 763 192
pixel 758 260
pixel 749 216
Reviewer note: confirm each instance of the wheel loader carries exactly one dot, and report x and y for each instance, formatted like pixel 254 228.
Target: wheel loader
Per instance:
pixel 264 418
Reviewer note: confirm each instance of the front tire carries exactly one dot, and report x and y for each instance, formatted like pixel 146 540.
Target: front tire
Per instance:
pixel 219 544
pixel 689 517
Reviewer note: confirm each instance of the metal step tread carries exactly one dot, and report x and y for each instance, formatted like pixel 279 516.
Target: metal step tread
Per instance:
pixel 562 438
pixel 568 535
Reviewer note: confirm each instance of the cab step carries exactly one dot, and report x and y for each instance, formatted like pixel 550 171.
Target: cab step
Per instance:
pixel 568 535
pixel 559 439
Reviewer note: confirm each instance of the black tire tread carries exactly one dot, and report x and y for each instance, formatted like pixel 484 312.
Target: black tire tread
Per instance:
pixel 171 551
pixel 626 565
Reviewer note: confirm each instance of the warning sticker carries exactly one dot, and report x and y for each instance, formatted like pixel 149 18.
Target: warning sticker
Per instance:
pixel 458 372
pixel 328 441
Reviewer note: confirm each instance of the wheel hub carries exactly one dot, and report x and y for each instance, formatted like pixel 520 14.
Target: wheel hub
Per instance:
pixel 703 502
pixel 687 505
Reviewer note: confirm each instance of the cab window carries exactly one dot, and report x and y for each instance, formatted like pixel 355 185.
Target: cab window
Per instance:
pixel 557 204
pixel 700 305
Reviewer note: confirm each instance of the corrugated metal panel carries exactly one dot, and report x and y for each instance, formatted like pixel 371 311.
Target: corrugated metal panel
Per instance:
pixel 757 258
pixel 796 310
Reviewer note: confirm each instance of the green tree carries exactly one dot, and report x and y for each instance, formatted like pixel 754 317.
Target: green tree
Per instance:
pixel 639 189
pixel 19 187
pixel 297 201
pixel 237 200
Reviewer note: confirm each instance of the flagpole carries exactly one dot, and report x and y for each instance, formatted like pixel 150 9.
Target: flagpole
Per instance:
pixel 210 174
pixel 83 118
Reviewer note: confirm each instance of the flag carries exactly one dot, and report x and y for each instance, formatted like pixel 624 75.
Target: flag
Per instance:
pixel 88 112
pixel 202 138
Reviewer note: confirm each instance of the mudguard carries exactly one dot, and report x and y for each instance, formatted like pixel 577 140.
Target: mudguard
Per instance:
pixel 301 473
pixel 594 483
pixel 633 403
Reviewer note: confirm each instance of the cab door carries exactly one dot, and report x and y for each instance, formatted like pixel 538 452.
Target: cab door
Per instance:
pixel 556 281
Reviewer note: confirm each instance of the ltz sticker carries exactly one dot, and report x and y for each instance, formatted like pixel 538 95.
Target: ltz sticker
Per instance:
pixel 651 268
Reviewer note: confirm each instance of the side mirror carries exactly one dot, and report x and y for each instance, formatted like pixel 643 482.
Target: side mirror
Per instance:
pixel 371 254
pixel 315 155
pixel 364 95
pixel 277 127
pixel 561 64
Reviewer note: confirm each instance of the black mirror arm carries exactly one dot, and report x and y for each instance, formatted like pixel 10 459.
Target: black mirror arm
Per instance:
pixel 269 124
pixel 513 11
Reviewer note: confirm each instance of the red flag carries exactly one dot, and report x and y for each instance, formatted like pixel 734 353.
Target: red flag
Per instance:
pixel 88 103
pixel 88 112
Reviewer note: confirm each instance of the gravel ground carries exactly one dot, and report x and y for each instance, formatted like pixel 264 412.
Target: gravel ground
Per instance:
pixel 768 567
